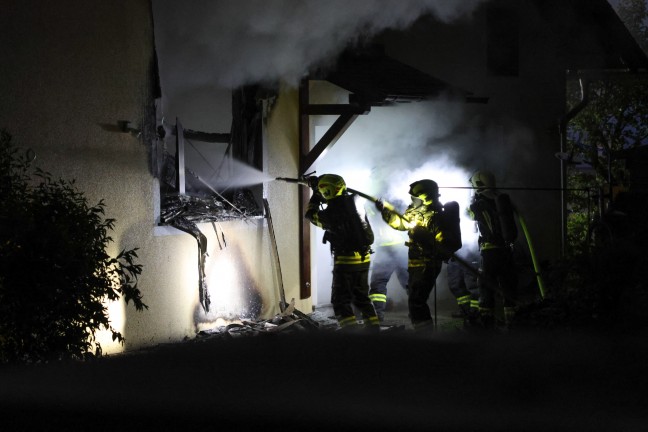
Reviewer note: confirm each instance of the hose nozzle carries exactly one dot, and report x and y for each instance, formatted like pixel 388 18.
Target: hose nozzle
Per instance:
pixel 303 181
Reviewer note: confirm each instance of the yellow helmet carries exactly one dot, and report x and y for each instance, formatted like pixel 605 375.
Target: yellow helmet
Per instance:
pixel 483 182
pixel 330 186
pixel 426 190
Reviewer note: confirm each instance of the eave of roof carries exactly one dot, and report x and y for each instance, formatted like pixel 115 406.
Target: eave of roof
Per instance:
pixel 376 79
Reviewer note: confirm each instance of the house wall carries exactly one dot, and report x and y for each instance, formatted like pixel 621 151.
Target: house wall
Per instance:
pixel 282 160
pixel 68 68
pixel 70 71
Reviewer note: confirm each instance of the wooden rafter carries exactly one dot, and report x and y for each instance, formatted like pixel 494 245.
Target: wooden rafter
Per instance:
pixel 307 158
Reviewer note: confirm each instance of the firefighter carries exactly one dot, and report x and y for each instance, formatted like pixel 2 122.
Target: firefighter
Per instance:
pixel 493 213
pixel 350 237
pixel 430 243
pixel 390 258
pixel 464 284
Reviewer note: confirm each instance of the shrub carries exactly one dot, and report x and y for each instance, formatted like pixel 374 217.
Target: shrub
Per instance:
pixel 55 274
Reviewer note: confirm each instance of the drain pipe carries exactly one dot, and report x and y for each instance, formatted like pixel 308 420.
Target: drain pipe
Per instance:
pixel 564 121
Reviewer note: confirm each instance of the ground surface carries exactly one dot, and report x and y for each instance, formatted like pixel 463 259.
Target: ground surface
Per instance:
pixel 324 380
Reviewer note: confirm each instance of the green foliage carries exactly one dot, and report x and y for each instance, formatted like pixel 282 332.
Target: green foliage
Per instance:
pixel 604 289
pixel 55 274
pixel 615 118
pixel 601 282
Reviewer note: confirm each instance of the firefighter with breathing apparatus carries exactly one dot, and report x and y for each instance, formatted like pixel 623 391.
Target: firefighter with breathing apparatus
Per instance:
pixel 464 284
pixel 434 235
pixel 390 258
pixel 350 236
pixel 494 214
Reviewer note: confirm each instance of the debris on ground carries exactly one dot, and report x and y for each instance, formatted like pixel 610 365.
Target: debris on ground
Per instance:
pixel 291 320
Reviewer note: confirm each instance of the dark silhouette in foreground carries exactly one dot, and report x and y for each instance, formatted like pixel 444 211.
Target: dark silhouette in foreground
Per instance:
pixel 459 380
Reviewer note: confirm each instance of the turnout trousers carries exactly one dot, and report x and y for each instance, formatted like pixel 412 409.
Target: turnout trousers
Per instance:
pixel 422 280
pixel 351 287
pixel 386 261
pixel 498 271
pixel 463 285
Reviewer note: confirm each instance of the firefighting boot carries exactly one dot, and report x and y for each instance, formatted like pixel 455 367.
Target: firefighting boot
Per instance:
pixel 472 319
pixel 423 327
pixel 372 325
pixel 347 324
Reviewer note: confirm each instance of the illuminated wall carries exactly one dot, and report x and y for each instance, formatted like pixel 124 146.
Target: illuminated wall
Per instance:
pixel 76 69
pixel 282 160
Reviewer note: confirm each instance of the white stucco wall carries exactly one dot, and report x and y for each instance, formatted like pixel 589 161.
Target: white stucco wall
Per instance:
pixel 71 67
pixel 282 143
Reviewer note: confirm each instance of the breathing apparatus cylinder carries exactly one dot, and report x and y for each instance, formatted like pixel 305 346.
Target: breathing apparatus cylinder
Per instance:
pixel 506 213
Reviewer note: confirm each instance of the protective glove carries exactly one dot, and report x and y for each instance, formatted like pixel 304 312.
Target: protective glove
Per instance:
pixel 380 205
pixel 312 182
pixel 316 198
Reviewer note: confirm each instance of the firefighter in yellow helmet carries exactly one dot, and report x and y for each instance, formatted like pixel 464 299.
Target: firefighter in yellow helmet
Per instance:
pixel 493 213
pixel 430 243
pixel 350 236
pixel 390 258
pixel 464 284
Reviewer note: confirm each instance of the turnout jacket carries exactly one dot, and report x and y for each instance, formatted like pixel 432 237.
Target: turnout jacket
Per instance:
pixel 423 224
pixel 349 234
pixel 484 211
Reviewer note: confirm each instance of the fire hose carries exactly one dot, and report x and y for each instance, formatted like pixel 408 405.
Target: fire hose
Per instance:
pixel 534 259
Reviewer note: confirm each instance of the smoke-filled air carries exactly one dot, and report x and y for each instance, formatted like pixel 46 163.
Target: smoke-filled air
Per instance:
pixel 383 152
pixel 230 43
pixel 218 45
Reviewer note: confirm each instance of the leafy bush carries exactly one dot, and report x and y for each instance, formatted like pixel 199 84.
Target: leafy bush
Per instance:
pixel 603 289
pixel 55 274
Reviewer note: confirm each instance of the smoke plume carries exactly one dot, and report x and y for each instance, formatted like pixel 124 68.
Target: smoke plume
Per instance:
pixel 227 43
pixel 385 151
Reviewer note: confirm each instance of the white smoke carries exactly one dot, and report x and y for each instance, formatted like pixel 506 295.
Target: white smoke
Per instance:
pixel 390 147
pixel 228 43
pixel 385 151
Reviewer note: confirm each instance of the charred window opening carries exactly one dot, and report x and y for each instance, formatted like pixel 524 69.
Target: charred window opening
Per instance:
pixel 211 177
pixel 503 41
pixel 201 179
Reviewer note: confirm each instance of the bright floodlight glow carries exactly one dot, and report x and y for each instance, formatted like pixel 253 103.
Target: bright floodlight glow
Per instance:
pixel 117 313
pixel 453 186
pixel 223 283
pixel 358 179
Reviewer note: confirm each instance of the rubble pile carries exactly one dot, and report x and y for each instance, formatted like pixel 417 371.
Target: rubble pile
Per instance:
pixel 290 321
